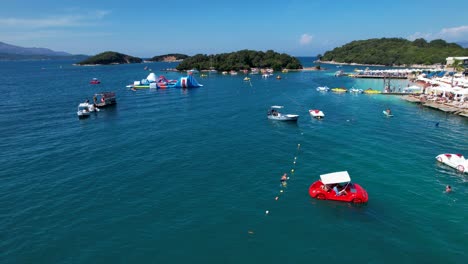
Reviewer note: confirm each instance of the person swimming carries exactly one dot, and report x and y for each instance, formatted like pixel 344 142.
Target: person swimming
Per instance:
pixel 284 178
pixel 448 189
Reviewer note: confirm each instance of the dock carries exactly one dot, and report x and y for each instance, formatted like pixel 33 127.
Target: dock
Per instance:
pixel 438 106
pixel 378 76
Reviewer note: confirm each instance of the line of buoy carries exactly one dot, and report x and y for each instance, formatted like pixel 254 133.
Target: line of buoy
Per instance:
pixel 281 191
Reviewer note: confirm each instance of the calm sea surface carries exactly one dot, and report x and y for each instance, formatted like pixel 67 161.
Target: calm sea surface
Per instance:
pixel 187 176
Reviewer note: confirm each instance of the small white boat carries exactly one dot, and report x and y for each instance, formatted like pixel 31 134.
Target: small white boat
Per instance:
pixel 355 90
pixel 456 161
pixel 323 89
pixel 316 113
pixel 339 73
pixel 274 114
pixel 83 110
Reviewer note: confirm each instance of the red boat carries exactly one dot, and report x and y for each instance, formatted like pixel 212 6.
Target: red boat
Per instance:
pixel 95 81
pixel 337 186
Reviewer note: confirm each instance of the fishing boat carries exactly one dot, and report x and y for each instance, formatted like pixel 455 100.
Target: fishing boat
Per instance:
pixel 104 99
pixel 274 114
pixel 337 186
pixel 456 161
pixel 317 113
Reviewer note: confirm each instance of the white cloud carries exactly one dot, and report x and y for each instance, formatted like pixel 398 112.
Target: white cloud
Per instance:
pixel 54 21
pixel 305 39
pixel 455 32
pixel 449 34
pixel 420 35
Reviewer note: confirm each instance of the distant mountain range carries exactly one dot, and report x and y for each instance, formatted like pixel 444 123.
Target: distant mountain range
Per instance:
pixel 463 44
pixel 12 52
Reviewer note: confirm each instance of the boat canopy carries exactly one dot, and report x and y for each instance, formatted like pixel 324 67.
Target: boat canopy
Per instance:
pixel 83 105
pixel 335 177
pixel 277 106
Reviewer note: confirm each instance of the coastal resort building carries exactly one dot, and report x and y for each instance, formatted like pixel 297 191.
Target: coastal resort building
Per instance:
pixel 451 60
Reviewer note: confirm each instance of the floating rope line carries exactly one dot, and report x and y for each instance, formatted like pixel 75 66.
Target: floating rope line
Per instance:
pixel 284 180
pixel 281 191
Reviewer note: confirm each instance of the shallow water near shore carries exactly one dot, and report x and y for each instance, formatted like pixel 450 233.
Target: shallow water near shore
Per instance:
pixel 176 176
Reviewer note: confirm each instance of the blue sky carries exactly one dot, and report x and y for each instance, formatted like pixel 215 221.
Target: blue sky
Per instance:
pixel 298 27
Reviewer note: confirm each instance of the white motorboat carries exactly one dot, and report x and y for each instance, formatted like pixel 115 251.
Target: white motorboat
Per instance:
pixel 316 113
pixel 456 161
pixel 355 90
pixel 340 73
pixel 274 114
pixel 323 89
pixel 83 110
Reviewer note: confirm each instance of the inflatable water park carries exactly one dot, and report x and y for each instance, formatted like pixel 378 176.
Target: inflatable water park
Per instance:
pixel 162 82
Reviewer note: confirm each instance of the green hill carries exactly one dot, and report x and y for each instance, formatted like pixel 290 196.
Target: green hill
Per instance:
pixel 170 57
pixel 395 51
pixel 240 60
pixel 110 57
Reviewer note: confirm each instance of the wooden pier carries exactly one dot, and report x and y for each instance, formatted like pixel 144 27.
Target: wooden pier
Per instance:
pixel 378 76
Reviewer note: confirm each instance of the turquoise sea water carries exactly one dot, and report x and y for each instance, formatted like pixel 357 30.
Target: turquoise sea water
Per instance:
pixel 186 176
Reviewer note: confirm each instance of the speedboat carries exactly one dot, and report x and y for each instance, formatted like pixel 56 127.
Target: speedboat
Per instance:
pixel 274 114
pixel 323 89
pixel 337 186
pixel 316 113
pixel 95 81
pixel 456 161
pixel 83 110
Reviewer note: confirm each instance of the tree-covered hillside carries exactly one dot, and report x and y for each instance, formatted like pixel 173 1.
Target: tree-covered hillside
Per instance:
pixel 395 51
pixel 240 60
pixel 170 57
pixel 110 57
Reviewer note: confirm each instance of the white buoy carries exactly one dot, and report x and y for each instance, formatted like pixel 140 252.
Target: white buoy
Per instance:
pixel 267 212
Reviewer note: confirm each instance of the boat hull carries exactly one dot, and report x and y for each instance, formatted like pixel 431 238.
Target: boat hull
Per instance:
pixel 354 193
pixel 316 113
pixel 292 118
pixel 456 161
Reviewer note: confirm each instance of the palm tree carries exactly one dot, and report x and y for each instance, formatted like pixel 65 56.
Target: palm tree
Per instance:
pixel 458 65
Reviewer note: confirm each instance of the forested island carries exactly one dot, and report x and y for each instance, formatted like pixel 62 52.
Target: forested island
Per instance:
pixel 394 51
pixel 110 57
pixel 170 57
pixel 240 60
